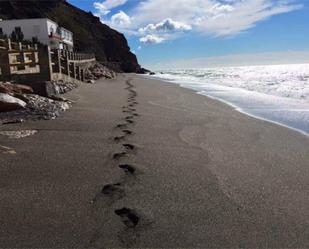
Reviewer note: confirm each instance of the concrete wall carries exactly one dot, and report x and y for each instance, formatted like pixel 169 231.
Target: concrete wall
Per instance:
pixel 40 28
pixel 30 28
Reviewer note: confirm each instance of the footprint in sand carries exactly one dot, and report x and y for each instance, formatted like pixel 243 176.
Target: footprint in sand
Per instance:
pixel 119 138
pixel 130 121
pixel 113 191
pixel 121 126
pixel 127 132
pixel 110 189
pixel 117 156
pixel 129 117
pixel 128 216
pixel 128 169
pixel 129 146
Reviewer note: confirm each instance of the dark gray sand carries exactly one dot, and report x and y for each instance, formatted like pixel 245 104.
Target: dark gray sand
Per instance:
pixel 139 163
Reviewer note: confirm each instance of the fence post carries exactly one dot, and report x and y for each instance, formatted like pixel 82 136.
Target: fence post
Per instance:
pixel 74 70
pixel 21 55
pixel 66 63
pixel 9 44
pixel 5 66
pixel 57 61
pixel 78 72
pixel 45 63
pixel 82 75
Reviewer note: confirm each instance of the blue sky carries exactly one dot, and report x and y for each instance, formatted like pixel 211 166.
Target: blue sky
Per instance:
pixel 164 33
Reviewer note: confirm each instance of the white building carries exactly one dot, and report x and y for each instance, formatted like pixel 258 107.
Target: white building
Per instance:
pixel 43 29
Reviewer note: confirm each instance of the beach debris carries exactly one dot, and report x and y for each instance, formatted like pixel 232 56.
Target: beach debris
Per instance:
pixel 18 134
pixel 61 87
pixel 128 216
pixel 7 150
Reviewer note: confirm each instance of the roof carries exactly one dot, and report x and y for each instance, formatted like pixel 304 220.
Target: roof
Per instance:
pixel 47 19
pixel 10 20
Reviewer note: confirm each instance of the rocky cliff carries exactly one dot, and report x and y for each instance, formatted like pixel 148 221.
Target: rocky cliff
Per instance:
pixel 90 35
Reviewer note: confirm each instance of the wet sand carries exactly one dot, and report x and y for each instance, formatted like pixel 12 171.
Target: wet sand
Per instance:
pixel 146 164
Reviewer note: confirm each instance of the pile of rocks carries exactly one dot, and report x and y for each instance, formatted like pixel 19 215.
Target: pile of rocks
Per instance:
pixel 61 87
pixel 98 71
pixel 7 87
pixel 17 105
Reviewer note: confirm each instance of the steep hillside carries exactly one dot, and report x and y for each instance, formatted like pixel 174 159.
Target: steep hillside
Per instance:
pixel 90 35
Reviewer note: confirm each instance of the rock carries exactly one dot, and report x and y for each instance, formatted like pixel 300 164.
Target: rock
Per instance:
pixel 152 73
pixel 10 103
pixel 11 121
pixel 37 108
pixel 98 71
pixel 143 71
pixel 8 87
pixel 61 87
pixel 58 98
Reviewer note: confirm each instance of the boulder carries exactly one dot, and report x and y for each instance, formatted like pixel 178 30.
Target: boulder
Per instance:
pixel 8 87
pixel 98 71
pixel 10 103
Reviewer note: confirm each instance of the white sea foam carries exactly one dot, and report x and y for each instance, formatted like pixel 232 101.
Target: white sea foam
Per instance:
pixel 279 93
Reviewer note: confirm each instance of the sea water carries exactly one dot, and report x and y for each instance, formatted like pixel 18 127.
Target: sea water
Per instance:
pixel 277 93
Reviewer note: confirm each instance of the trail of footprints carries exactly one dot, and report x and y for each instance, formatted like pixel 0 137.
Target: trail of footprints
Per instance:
pixel 115 191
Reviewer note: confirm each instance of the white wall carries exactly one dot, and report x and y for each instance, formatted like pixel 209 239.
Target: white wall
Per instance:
pixel 30 28
pixel 40 28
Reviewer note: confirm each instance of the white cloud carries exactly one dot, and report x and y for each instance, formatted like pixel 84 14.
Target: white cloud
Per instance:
pixel 156 21
pixel 151 39
pixel 104 8
pixel 121 19
pixel 167 25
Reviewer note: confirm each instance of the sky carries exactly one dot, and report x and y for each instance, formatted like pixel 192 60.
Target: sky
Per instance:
pixel 199 33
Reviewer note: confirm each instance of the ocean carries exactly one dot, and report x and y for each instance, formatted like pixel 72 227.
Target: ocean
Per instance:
pixel 277 93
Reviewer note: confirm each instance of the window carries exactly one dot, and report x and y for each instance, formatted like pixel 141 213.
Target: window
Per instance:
pixel 18 30
pixel 1 31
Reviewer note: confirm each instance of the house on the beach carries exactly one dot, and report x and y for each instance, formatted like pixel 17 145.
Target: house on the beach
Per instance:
pixel 43 30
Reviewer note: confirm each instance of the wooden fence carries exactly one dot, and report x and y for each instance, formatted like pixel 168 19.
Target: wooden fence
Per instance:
pixel 40 63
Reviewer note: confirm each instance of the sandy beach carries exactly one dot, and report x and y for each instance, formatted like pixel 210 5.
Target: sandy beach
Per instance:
pixel 190 170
